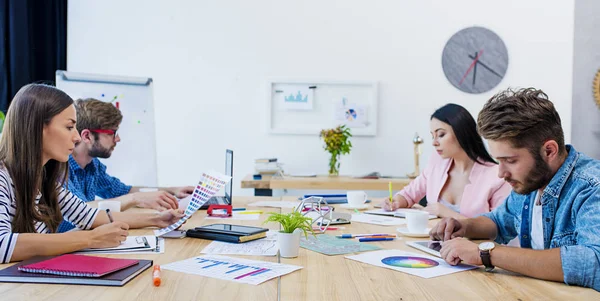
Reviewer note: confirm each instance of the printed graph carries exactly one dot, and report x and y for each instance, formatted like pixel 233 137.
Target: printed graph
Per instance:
pixel 233 269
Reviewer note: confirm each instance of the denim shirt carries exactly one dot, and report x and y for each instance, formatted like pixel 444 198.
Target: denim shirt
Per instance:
pixel 570 215
pixel 89 182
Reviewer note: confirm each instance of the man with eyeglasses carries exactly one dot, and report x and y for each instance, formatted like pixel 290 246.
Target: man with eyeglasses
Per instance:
pixel 98 123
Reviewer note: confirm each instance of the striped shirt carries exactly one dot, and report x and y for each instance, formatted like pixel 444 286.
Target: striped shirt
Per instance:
pixel 72 208
pixel 91 181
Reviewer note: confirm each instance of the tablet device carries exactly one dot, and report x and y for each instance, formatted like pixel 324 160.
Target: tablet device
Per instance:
pixel 428 246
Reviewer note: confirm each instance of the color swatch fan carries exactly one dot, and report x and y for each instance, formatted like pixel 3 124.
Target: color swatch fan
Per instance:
pixel 209 185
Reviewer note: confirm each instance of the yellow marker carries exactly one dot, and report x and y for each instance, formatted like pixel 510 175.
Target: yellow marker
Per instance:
pixel 391 196
pixel 250 212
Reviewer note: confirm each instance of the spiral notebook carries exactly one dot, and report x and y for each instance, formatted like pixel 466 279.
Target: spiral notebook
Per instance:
pixel 78 266
pixel 116 278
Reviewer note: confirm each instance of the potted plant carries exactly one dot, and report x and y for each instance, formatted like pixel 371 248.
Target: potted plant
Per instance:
pixel 337 143
pixel 292 225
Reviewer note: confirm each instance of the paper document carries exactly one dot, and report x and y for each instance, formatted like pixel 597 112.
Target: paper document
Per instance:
pixel 237 215
pixel 398 213
pixel 377 220
pixel 267 246
pixel 210 183
pixel 233 269
pixel 411 263
pixel 276 204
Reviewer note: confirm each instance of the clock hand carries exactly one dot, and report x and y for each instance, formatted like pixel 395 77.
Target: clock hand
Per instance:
pixel 486 67
pixel 471 67
pixel 475 71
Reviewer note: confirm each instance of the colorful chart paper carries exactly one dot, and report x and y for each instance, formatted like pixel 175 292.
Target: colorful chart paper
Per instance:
pixel 410 262
pixel 210 183
pixel 233 269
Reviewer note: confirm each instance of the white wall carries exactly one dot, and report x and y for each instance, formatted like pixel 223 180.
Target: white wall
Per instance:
pixel 209 60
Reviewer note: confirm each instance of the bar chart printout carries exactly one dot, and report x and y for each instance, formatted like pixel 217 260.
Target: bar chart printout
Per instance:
pixel 233 269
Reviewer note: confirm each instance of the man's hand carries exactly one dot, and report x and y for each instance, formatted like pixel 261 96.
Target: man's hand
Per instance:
pixel 158 200
pixel 460 249
pixel 182 192
pixel 167 218
pixel 447 229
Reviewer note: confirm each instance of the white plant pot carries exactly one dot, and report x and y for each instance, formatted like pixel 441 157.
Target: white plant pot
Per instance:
pixel 289 244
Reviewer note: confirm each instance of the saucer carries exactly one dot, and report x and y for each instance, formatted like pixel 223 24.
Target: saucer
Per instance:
pixel 361 207
pixel 404 231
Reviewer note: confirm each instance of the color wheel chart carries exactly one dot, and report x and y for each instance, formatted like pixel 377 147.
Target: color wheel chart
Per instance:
pixel 410 262
pixel 209 184
pixel 233 269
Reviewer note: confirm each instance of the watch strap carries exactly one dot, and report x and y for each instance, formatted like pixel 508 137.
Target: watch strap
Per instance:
pixel 486 259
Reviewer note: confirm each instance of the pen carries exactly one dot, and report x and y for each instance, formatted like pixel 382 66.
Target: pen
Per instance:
pixel 251 212
pixel 238 209
pixel 375 239
pixel 156 275
pixel 356 211
pixel 380 236
pixel 363 235
pixel 110 218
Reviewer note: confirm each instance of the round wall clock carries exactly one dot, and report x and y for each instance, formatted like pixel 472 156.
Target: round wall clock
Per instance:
pixel 596 88
pixel 475 60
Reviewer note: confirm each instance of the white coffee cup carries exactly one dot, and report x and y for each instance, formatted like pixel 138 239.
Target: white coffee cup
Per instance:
pixel 356 198
pixel 114 206
pixel 417 221
pixel 148 189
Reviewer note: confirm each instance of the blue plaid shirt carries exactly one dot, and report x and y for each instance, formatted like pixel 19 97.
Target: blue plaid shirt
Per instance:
pixel 91 181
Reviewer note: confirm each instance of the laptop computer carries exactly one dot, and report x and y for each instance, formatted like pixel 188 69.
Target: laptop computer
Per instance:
pixel 226 199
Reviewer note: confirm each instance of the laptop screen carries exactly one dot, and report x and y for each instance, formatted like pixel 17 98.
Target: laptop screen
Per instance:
pixel 229 172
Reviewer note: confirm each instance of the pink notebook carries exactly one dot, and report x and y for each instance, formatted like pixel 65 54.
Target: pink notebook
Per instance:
pixel 79 265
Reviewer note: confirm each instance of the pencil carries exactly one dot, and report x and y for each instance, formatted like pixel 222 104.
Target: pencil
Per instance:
pixel 391 194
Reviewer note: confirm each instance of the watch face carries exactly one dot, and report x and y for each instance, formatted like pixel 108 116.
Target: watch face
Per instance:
pixel 475 60
pixel 484 246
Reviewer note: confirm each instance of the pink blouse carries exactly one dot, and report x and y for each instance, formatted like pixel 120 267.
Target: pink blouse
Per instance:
pixel 484 192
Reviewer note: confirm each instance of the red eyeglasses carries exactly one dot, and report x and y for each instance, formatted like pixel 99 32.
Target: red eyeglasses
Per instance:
pixel 109 132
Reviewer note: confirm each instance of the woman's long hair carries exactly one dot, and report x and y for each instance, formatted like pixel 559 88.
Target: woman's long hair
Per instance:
pixel 465 130
pixel 21 150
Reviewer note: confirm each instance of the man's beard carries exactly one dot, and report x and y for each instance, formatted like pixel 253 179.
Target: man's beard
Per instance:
pixel 98 151
pixel 538 177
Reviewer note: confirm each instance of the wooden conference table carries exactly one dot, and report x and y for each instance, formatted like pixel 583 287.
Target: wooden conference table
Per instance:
pixel 265 186
pixel 321 278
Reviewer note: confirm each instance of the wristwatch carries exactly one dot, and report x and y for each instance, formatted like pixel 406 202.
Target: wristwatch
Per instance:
pixel 484 251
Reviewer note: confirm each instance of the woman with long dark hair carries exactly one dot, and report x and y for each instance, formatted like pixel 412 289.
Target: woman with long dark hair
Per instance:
pixel 461 179
pixel 38 136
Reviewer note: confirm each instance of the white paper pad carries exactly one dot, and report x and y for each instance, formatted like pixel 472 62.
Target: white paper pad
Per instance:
pixel 411 263
pixel 267 246
pixel 157 246
pixel 233 269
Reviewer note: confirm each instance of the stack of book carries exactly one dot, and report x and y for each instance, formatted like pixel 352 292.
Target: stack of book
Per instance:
pixel 267 166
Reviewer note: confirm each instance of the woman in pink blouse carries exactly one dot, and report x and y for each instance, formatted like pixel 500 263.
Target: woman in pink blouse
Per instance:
pixel 461 179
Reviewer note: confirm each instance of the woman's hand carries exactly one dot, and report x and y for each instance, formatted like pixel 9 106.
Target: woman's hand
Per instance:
pixel 109 235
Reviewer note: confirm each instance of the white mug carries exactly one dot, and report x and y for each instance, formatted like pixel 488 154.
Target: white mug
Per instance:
pixel 417 220
pixel 114 206
pixel 356 198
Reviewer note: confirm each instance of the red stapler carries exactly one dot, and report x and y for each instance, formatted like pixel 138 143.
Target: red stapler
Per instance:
pixel 219 210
